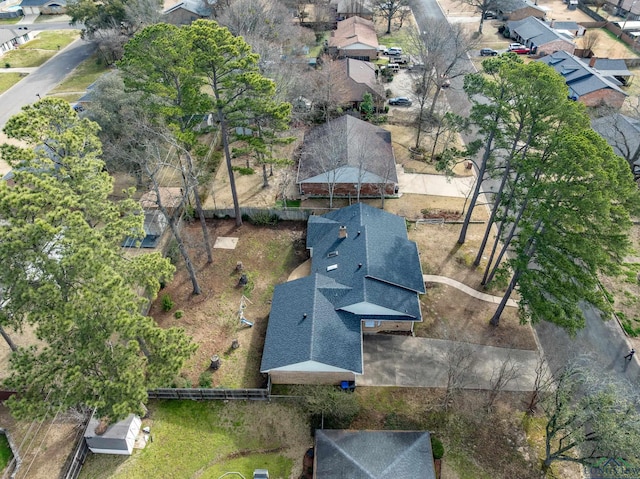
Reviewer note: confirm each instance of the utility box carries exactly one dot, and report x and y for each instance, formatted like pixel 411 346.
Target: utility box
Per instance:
pixel 260 474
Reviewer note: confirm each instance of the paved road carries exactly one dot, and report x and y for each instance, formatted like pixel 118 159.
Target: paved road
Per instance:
pixel 40 26
pixel 43 79
pixel 603 341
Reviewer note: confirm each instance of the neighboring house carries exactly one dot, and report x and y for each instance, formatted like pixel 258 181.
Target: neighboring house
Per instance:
pixel 356 38
pixel 186 12
pixel 155 222
pixel 365 278
pixel 349 8
pixel 571 28
pixel 344 154
pixel 610 67
pixel 44 7
pixel 623 134
pixel 342 454
pixel 353 79
pixel 540 37
pixel 10 39
pixel 519 9
pixel 118 438
pixel 586 84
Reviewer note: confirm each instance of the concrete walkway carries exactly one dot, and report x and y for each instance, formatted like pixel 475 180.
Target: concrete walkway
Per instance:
pixel 404 361
pixel 430 278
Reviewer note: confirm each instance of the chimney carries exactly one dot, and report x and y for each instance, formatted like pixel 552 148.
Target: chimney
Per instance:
pixel 342 232
pixel 592 61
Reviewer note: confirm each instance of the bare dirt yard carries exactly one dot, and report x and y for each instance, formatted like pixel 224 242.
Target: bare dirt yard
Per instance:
pixel 43 446
pixel 268 255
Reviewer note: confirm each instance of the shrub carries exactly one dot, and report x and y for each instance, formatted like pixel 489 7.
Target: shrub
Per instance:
pixel 178 314
pixel 263 218
pixel 7 65
pixel 167 303
pixel 205 381
pixel 180 382
pixel 243 170
pixel 173 252
pixel 437 448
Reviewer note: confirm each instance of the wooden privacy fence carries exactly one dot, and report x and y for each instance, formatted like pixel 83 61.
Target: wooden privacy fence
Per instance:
pixel 209 394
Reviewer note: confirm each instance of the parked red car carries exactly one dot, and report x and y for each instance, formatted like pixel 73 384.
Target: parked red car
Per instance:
pixel 522 50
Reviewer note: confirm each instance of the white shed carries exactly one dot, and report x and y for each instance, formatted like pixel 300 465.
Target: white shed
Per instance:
pixel 119 438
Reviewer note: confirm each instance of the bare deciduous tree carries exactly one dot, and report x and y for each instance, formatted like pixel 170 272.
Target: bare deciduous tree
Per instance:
pixel 589 40
pixel 458 360
pixel 483 6
pixel 540 384
pixel 440 48
pixel 501 377
pixel 388 10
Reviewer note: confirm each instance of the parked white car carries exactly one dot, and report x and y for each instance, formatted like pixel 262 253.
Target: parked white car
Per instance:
pixel 394 51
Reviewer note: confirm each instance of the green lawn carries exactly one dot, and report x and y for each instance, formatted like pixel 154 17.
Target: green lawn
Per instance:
pixel 7 80
pixel 26 58
pixel 5 452
pixel 10 21
pixel 398 38
pixel 207 439
pixel 51 40
pixel 83 76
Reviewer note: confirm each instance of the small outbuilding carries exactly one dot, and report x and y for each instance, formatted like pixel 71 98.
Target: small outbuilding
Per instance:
pixel 117 438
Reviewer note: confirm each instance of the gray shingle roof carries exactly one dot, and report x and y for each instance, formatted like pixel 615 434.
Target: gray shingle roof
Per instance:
pixel 8 35
pixel 535 32
pixel 622 133
pixel 342 454
pixel 609 66
pixel 324 335
pixel 197 7
pixel 347 148
pixel 40 3
pixel 565 25
pixel 376 264
pixel 580 78
pixel 509 6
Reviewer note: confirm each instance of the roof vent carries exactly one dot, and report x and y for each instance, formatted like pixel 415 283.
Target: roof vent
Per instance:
pixel 332 267
pixel 342 232
pixel 332 254
pixel 359 265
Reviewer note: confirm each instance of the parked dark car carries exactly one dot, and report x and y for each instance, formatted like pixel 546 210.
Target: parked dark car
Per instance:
pixel 488 52
pixel 400 101
pixel 489 14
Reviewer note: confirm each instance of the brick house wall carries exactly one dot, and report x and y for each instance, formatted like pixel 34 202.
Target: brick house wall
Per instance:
pixel 346 189
pixel 388 326
pixel 604 96
pixel 555 46
pixel 304 377
pixel 524 13
pixel 370 54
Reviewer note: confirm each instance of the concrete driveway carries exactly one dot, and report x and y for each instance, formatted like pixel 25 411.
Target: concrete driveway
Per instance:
pixel 404 361
pixel 436 185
